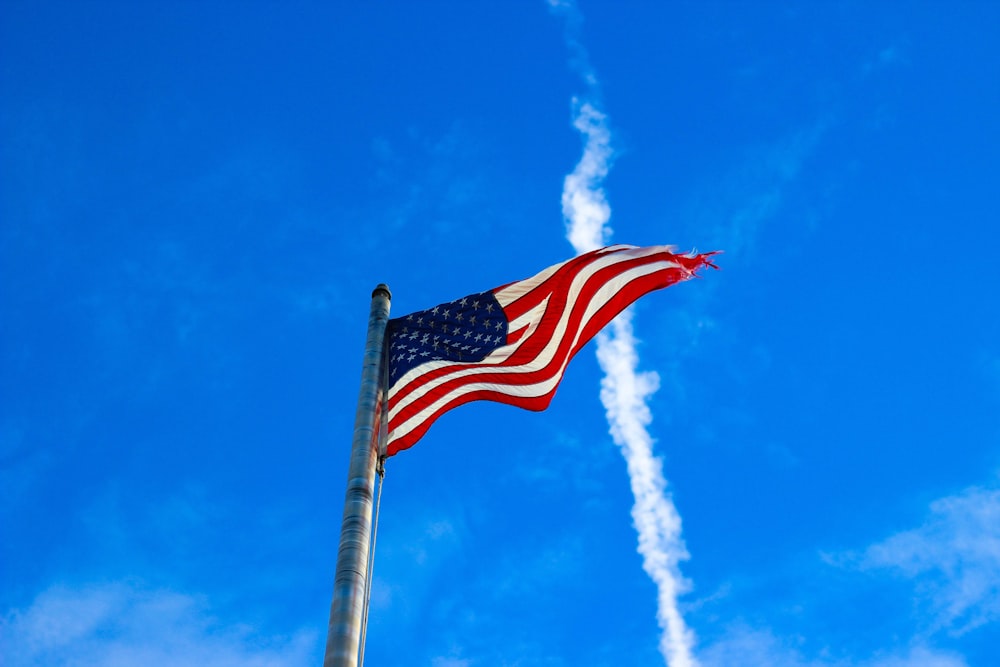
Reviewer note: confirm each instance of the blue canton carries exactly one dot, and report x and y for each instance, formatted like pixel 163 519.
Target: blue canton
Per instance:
pixel 467 330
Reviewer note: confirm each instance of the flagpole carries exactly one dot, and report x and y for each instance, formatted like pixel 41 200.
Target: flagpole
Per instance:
pixel 347 609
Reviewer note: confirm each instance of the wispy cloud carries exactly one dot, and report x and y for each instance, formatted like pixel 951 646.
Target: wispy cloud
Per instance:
pixel 743 645
pixel 918 656
pixel 424 547
pixel 733 214
pixel 450 662
pixel 625 390
pixel 953 558
pixel 116 624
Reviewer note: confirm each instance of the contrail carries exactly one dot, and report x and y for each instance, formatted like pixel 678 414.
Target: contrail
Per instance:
pixel 624 390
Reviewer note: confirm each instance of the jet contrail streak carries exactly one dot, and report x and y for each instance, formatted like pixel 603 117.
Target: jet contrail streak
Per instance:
pixel 624 390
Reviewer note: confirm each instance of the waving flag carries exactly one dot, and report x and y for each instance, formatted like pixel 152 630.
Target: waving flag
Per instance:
pixel 512 344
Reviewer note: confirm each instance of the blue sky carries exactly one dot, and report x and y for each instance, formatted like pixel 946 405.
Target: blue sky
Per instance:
pixel 196 200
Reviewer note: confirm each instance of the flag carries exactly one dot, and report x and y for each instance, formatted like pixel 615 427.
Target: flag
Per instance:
pixel 511 344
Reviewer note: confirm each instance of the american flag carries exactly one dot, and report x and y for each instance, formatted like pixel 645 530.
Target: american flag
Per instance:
pixel 512 344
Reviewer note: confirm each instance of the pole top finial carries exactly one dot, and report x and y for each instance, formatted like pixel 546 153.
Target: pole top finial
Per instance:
pixel 382 287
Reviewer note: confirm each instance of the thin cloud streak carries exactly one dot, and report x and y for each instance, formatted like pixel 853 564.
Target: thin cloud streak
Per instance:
pixel 624 390
pixel 112 624
pixel 584 205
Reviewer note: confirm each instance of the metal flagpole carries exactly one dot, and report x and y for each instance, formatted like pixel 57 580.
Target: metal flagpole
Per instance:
pixel 347 608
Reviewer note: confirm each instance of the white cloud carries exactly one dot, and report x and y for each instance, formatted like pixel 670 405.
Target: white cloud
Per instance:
pixel 747 647
pixel 119 624
pixel 449 662
pixel 919 656
pixel 954 559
